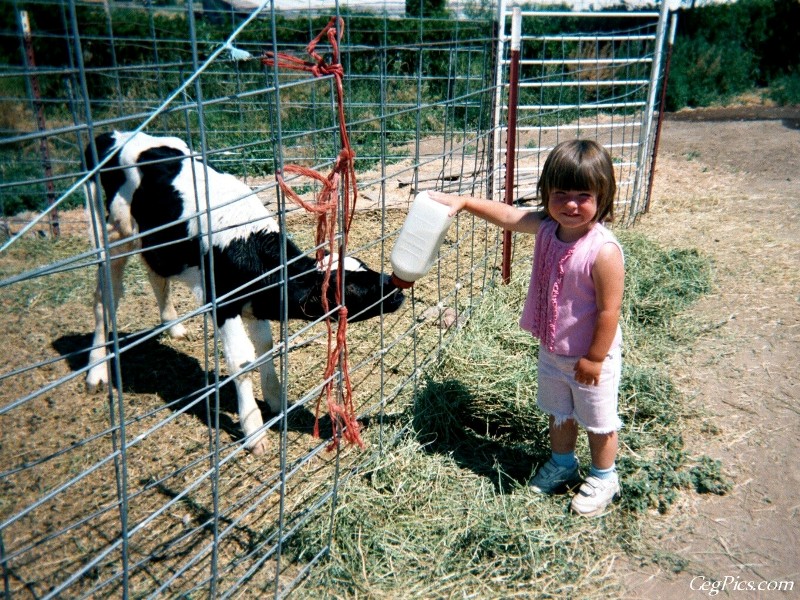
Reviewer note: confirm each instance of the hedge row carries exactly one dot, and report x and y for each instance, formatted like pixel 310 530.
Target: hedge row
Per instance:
pixel 722 50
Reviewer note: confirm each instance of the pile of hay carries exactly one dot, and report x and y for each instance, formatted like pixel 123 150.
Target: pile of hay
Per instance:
pixel 446 512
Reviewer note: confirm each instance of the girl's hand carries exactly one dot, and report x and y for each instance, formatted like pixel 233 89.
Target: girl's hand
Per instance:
pixel 587 372
pixel 456 203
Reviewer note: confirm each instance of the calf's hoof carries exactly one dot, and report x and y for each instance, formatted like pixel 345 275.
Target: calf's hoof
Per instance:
pixel 178 332
pixel 97 379
pixel 259 447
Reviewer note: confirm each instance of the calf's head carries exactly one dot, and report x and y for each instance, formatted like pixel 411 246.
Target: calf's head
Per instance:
pixel 367 293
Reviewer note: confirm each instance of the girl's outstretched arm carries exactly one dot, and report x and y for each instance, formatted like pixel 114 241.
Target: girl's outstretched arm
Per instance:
pixel 497 213
pixel 608 275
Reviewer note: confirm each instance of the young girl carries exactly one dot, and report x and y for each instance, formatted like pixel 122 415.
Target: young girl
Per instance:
pixel 573 307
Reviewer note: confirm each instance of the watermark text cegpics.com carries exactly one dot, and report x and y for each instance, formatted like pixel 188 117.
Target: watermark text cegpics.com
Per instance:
pixel 736 584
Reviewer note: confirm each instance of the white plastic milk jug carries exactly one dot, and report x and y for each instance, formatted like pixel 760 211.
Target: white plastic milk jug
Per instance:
pixel 421 236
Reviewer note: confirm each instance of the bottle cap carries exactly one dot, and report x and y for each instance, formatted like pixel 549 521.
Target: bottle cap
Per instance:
pixel 401 283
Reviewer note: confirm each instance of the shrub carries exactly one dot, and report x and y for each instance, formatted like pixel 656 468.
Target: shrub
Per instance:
pixel 786 89
pixel 725 49
pixel 705 73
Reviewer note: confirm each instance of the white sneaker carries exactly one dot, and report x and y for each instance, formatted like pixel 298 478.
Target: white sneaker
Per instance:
pixel 551 478
pixel 595 495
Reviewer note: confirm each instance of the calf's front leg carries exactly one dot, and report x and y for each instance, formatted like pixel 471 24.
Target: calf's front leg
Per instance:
pixel 239 355
pixel 97 376
pixel 261 334
pixel 166 307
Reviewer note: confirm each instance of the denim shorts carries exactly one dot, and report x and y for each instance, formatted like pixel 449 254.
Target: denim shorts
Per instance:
pixel 593 407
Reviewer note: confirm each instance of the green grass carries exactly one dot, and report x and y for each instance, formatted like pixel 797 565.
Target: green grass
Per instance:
pixel 30 254
pixel 446 513
pixel 55 278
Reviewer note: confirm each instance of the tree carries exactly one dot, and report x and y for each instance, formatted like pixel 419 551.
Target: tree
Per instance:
pixel 429 8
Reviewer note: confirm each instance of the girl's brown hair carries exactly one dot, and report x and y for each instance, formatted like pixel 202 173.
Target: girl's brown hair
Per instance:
pixel 580 165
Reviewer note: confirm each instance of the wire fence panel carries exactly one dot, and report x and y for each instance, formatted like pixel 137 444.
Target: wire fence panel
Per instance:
pixel 148 487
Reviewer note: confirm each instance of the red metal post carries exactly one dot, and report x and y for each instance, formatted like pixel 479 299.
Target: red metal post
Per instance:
pixel 40 120
pixel 511 133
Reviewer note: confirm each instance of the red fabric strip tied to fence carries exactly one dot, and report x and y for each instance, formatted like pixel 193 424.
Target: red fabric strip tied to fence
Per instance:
pixel 342 412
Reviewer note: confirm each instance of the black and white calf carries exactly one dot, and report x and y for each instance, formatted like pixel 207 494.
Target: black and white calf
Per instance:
pixel 154 187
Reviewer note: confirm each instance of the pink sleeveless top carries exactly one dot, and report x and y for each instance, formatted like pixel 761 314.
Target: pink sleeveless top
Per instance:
pixel 561 308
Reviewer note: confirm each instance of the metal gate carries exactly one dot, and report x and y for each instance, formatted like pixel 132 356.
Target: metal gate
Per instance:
pixel 582 75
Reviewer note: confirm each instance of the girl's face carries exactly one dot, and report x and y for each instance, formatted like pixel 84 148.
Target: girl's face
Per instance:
pixel 574 211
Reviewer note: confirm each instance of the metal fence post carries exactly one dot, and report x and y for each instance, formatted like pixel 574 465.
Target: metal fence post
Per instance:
pixel 644 139
pixel 511 132
pixel 661 108
pixel 41 123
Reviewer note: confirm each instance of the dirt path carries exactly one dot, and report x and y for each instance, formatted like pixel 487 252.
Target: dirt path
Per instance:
pixel 731 189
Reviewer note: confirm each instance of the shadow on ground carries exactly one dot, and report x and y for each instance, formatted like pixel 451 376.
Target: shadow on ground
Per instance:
pixel 446 423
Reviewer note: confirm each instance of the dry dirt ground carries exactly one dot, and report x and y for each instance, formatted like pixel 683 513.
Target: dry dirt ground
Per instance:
pixel 730 189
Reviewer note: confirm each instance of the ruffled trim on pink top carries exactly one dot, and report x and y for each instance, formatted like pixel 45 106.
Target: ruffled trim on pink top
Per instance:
pixel 550 257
